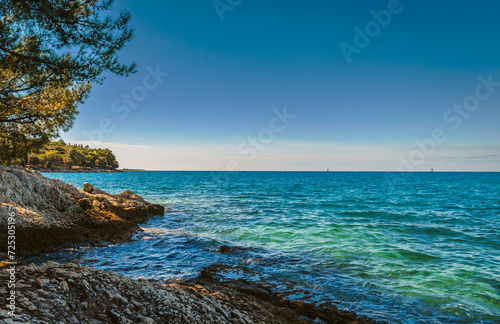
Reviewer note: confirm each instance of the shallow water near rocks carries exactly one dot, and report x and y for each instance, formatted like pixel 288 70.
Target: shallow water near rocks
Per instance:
pixel 405 248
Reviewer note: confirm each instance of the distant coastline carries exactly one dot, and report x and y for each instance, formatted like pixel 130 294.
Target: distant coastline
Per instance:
pixel 61 157
pixel 66 170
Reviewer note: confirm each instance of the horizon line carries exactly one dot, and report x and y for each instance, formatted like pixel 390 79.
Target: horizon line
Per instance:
pixel 324 171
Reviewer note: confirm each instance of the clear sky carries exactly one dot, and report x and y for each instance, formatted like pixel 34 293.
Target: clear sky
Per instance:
pixel 303 85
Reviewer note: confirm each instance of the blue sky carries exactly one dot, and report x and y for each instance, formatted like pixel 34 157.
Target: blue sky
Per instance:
pixel 369 110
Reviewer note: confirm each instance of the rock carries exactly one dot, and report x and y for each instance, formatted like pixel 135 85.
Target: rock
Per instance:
pixel 84 284
pixel 73 320
pixel 104 318
pixel 64 286
pixel 225 249
pixel 115 316
pixel 119 300
pixel 85 203
pixel 87 187
pixel 73 274
pixel 52 264
pixel 129 194
pixel 42 305
pixel 40 283
pixel 59 215
pixel 98 191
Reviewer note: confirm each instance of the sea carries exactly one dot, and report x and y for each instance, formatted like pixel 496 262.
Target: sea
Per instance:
pixel 419 247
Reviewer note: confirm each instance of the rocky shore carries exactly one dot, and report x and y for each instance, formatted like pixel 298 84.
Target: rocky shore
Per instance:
pixel 70 293
pixel 50 214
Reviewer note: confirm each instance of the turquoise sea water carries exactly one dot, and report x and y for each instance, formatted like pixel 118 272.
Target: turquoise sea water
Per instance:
pixel 405 248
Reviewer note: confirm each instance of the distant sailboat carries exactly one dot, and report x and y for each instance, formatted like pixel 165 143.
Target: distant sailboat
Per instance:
pixel 432 169
pixel 327 170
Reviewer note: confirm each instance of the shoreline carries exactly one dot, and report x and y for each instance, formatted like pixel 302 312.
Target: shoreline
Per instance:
pixel 76 171
pixel 71 293
pixel 51 214
pixel 64 170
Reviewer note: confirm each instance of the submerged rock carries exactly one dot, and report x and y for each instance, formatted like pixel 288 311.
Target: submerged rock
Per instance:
pixel 50 214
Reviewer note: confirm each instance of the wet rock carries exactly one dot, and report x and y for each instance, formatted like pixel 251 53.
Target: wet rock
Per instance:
pixel 87 187
pixel 225 249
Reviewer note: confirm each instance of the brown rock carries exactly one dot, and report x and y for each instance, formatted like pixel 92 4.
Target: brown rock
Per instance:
pixel 85 203
pixel 51 214
pixel 87 187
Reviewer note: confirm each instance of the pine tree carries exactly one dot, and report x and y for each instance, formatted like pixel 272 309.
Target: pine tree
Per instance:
pixel 51 51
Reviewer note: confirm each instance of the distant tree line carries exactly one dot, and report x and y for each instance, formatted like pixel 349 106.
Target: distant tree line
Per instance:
pixel 61 155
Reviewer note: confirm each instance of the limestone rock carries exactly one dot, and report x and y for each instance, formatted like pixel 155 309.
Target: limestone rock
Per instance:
pixel 51 214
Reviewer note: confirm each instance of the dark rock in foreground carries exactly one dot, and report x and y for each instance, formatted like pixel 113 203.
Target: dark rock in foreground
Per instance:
pixel 54 293
pixel 51 214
